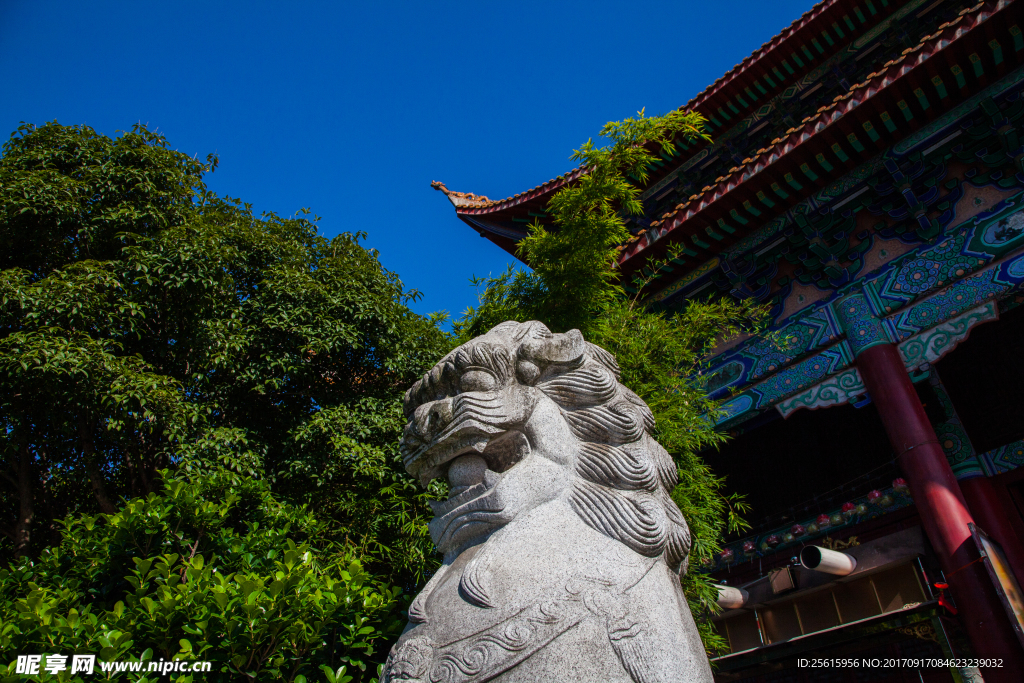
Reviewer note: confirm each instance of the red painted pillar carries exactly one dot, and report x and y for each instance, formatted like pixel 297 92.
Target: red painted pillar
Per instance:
pixel 983 499
pixel 990 515
pixel 944 513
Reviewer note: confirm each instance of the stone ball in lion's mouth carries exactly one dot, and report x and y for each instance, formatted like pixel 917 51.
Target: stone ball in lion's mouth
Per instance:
pixel 465 471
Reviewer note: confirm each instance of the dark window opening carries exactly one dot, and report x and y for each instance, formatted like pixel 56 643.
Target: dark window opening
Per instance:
pixel 984 376
pixel 811 463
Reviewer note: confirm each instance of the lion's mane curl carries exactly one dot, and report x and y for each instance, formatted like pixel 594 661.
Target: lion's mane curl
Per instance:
pixel 623 476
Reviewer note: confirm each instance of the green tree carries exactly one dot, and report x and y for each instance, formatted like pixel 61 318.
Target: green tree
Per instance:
pixel 574 283
pixel 148 325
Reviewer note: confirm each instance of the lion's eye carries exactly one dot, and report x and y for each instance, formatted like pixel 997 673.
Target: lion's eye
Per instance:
pixel 478 380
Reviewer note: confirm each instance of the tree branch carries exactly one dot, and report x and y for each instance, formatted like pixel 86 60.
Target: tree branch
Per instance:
pixel 26 511
pixel 95 476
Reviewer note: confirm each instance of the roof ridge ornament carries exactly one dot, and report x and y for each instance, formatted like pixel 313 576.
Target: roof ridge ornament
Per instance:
pixel 460 199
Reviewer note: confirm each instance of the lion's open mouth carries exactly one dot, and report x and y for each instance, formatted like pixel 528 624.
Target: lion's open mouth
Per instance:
pixel 471 439
pixel 471 508
pixel 465 425
pixel 461 495
pixel 474 470
pixel 479 461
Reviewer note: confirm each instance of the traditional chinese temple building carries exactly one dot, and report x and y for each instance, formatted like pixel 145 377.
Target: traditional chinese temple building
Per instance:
pixel 865 181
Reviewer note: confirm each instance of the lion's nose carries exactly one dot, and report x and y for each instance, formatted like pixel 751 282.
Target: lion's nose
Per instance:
pixel 432 417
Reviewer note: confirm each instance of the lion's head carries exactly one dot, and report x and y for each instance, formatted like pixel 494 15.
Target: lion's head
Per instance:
pixel 521 416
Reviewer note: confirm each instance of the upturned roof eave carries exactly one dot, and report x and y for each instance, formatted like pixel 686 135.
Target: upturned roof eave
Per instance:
pixel 786 147
pixel 482 205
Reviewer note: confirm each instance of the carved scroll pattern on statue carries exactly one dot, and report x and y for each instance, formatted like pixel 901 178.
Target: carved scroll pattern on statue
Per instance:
pixel 479 511
pixel 628 469
pixel 619 464
pixel 615 422
pixel 485 655
pixel 627 633
pixel 475 581
pixel 418 607
pixel 586 386
pixel 497 650
pixel 638 521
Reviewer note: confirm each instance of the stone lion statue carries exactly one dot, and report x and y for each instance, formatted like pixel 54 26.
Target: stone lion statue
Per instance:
pixel 562 548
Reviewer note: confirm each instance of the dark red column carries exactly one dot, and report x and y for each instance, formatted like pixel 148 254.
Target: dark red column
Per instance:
pixel 944 513
pixel 990 515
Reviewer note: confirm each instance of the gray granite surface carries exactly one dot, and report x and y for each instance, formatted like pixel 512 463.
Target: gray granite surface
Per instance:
pixel 562 548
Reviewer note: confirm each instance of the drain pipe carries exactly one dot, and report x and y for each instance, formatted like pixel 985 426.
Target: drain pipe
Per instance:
pixel 731 598
pixel 828 561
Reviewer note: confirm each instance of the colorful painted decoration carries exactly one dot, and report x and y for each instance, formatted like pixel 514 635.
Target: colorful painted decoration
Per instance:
pixel 900 484
pixel 858 510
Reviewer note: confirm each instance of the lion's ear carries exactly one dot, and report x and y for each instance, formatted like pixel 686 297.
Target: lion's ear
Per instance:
pixel 558 348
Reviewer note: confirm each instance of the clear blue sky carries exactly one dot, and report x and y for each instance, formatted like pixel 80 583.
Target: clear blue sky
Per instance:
pixel 351 109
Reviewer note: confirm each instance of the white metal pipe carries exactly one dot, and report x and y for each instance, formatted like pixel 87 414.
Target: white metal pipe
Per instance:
pixel 828 561
pixel 731 598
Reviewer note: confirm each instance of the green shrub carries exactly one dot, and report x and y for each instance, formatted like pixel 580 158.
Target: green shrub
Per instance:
pixel 210 568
